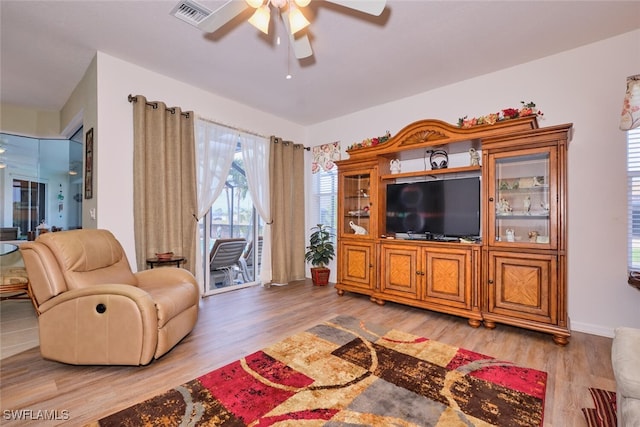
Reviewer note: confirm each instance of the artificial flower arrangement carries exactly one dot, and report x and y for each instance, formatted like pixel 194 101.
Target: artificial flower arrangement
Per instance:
pixel 370 142
pixel 527 109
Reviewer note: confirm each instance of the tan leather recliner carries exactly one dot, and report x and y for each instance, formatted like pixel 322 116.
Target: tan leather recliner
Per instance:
pixel 93 310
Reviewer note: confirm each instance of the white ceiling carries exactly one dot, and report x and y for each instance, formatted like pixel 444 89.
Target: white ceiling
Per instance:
pixel 358 61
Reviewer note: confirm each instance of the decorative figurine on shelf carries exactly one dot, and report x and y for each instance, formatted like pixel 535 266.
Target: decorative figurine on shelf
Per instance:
pixel 527 205
pixel 533 236
pixel 511 235
pixel 395 166
pixel 538 181
pixel 504 207
pixel 474 157
pixel 357 229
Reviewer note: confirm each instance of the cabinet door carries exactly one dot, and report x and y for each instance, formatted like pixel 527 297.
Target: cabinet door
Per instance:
pixel 523 198
pixel 398 271
pixel 356 264
pixel 447 277
pixel 523 286
pixel 356 203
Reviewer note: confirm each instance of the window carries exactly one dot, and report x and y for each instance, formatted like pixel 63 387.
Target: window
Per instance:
pixel 633 194
pixel 324 199
pixel 40 180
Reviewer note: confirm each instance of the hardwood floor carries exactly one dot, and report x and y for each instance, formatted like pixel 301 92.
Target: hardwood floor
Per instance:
pixel 18 327
pixel 237 323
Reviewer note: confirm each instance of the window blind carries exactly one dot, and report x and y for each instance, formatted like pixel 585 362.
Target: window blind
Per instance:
pixel 325 197
pixel 633 198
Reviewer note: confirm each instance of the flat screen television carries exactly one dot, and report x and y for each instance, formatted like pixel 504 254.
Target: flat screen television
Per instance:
pixel 441 208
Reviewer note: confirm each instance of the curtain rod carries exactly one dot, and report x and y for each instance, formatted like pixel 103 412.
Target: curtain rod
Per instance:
pixel 132 98
pixel 240 129
pixel 154 105
pixel 280 140
pixel 231 127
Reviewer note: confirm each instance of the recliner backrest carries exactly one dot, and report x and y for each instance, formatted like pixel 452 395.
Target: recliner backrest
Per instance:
pixel 75 259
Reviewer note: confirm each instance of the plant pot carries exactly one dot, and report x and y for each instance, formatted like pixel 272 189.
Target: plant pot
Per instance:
pixel 320 276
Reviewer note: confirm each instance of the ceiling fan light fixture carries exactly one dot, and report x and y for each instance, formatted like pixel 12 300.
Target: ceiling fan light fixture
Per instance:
pixel 302 3
pixel 260 19
pixel 255 3
pixel 297 20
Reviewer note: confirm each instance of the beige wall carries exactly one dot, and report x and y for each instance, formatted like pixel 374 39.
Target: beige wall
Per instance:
pixel 29 122
pixel 81 107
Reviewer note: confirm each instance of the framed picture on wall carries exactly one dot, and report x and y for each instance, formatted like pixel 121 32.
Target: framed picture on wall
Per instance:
pixel 88 165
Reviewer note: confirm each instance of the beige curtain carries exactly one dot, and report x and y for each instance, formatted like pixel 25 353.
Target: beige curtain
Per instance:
pixel 286 169
pixel 164 181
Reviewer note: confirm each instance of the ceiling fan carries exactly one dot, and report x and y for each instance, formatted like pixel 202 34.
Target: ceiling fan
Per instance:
pixel 210 21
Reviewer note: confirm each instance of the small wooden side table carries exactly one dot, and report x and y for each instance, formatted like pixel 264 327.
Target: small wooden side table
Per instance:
pixel 14 282
pixel 176 259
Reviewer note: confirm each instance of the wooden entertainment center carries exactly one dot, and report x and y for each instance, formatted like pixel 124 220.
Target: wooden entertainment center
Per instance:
pixel 514 273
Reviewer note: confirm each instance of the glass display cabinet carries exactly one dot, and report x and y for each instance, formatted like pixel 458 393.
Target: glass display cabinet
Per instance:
pixel 523 195
pixel 356 204
pixel 357 226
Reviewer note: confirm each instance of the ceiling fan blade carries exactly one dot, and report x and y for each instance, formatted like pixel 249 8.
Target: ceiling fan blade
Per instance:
pixel 372 7
pixel 222 15
pixel 301 45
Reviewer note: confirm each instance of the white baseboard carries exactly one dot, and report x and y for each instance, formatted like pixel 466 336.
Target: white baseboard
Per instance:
pixel 589 328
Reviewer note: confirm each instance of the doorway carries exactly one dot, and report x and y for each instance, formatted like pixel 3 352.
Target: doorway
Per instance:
pixel 232 218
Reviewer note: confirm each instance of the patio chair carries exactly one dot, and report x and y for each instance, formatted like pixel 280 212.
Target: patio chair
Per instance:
pixel 246 261
pixel 223 260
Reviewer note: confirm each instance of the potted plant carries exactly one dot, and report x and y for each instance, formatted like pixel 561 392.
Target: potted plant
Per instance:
pixel 319 252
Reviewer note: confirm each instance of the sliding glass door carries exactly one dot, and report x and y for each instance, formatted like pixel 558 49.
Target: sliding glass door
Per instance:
pixel 231 234
pixel 29 204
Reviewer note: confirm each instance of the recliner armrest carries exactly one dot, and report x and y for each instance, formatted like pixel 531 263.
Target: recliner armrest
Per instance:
pixel 625 358
pixel 165 276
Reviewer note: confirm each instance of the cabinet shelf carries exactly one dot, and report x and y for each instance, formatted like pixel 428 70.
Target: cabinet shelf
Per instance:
pixel 536 189
pixel 523 216
pixel 387 177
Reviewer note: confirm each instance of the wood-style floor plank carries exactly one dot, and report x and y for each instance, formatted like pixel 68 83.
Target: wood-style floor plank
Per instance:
pixel 234 324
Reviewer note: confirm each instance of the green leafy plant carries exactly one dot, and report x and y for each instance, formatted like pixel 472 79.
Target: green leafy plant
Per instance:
pixel 320 250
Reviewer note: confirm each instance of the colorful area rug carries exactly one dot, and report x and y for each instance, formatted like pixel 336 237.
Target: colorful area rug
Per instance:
pixel 604 414
pixel 348 373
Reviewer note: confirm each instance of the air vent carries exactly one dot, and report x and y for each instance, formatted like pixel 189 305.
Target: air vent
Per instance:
pixel 190 12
